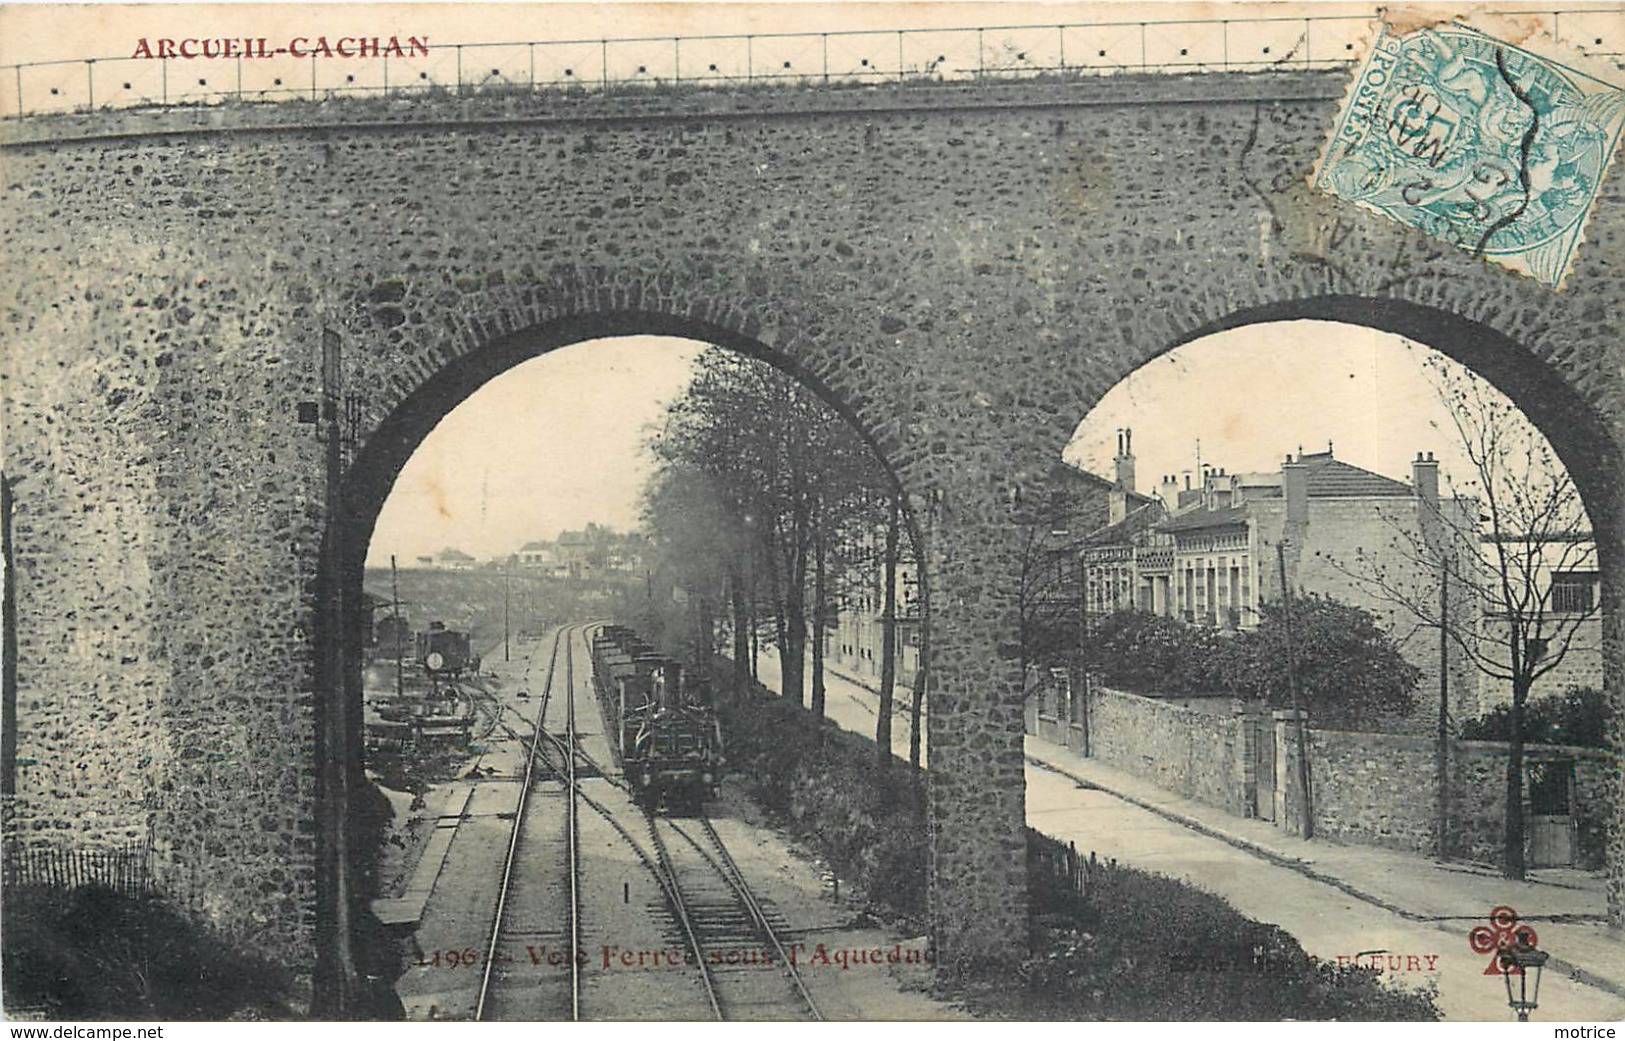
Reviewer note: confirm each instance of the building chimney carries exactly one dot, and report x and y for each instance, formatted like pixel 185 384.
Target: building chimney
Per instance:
pixel 1425 484
pixel 1168 490
pixel 1295 487
pixel 1125 459
pixel 1425 478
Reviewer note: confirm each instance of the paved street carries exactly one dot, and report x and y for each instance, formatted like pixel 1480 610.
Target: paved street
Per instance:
pixel 1327 919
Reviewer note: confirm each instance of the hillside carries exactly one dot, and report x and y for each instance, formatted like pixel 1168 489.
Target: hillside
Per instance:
pixel 472 600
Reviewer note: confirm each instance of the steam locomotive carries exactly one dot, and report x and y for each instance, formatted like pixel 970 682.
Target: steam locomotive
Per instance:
pixel 665 728
pixel 446 652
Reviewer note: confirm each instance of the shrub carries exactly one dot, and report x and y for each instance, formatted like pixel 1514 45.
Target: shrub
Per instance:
pixel 1348 671
pixel 93 953
pixel 1138 946
pixel 825 784
pixel 1578 716
pixel 1149 653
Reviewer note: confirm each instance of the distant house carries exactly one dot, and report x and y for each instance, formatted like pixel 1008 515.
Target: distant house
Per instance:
pixel 537 555
pixel 450 559
pixel 573 548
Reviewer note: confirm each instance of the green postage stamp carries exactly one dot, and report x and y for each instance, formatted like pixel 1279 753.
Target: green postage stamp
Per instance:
pixel 1484 144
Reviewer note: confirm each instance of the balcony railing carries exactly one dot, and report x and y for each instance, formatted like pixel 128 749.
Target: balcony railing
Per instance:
pixel 1154 559
pixel 857 58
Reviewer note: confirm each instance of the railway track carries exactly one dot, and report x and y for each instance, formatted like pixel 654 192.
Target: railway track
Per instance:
pixel 731 939
pixel 749 969
pixel 497 965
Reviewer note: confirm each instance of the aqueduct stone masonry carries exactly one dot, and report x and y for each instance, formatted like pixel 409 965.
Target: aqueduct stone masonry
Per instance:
pixel 966 269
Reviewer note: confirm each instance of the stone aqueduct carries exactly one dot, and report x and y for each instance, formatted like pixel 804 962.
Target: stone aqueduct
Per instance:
pixel 965 270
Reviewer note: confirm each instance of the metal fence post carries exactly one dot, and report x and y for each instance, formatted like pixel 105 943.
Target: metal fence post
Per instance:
pixel 240 75
pixel 750 59
pixel 981 62
pixel 899 56
pixel 19 90
pixel 459 69
pixel 1143 66
pixel 386 74
pixel 530 49
pixel 826 60
pixel 1224 42
pixel 1060 39
pixel 603 57
pixel 163 68
pixel 677 59
pixel 1306 22
pixel 90 81
pixel 313 77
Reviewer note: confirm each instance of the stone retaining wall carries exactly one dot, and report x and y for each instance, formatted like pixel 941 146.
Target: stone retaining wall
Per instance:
pixel 1382 790
pixel 1186 751
pixel 1369 788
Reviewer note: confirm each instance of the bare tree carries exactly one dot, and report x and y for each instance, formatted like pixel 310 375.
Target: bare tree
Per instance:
pixel 1496 545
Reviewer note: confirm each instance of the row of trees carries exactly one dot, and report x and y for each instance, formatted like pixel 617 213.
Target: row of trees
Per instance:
pixel 767 508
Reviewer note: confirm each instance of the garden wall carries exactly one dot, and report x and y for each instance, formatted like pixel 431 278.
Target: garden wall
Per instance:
pixel 1369 789
pixel 1192 753
pixel 1381 790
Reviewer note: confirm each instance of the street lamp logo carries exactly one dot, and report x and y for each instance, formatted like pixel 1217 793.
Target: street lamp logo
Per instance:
pixel 1501 936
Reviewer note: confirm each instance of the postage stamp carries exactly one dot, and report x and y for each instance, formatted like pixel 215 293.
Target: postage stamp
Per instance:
pixel 1489 146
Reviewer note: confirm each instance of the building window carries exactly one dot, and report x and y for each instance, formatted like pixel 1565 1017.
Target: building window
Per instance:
pixel 1573 592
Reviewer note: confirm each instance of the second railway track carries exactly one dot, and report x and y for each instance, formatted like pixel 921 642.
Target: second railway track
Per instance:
pixel 557 911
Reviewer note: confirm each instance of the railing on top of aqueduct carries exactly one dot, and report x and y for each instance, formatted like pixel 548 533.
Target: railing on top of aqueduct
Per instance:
pixel 835 58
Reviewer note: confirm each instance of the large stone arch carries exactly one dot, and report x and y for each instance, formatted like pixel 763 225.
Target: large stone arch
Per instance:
pixel 1580 434
pixel 519 323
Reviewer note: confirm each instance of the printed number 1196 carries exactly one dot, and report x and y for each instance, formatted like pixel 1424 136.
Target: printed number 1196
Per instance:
pixel 451 959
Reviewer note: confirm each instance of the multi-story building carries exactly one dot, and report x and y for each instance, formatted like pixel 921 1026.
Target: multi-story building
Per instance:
pixel 853 642
pixel 1318 525
pixel 1557 579
pixel 1073 506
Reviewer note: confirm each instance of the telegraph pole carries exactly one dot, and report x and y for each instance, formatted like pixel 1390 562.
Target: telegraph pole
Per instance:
pixel 505 576
pixel 1442 753
pixel 338 986
pixel 1306 805
pixel 400 637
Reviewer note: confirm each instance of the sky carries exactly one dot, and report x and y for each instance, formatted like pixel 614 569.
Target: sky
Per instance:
pixel 548 445
pixel 559 441
pixel 1242 399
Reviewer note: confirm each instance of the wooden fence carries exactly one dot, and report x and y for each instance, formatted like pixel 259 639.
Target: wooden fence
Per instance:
pixel 1051 861
pixel 127 870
